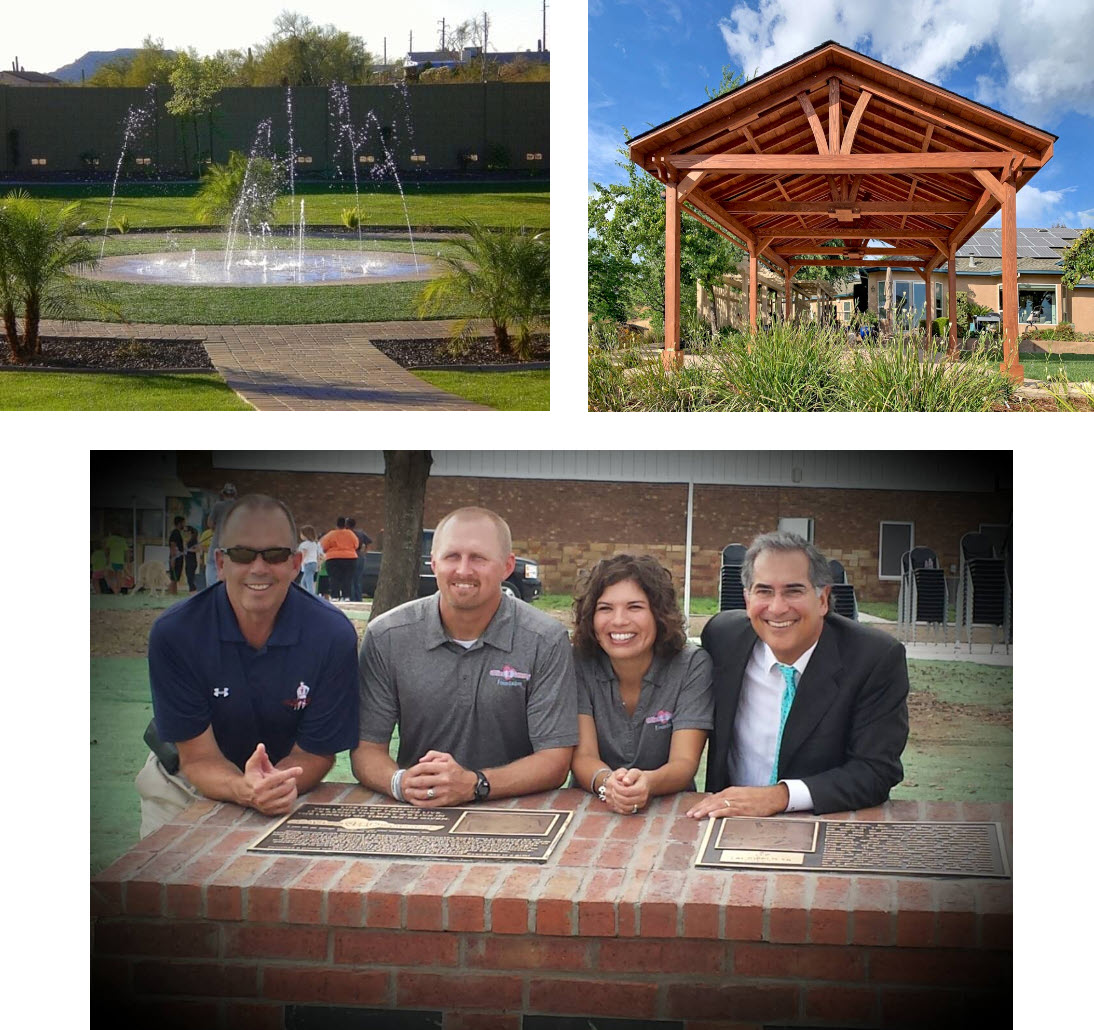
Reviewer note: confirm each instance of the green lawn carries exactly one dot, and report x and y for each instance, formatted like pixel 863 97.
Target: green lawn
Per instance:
pixel 428 205
pixel 264 305
pixel 1079 368
pixel 104 391
pixel 505 391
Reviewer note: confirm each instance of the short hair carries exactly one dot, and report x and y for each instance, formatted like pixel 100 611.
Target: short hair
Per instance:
pixel 350 522
pixel 656 583
pixel 179 520
pixel 340 522
pixel 257 502
pixel 820 575
pixel 501 527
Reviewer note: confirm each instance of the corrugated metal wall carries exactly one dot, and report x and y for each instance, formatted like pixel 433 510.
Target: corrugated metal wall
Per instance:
pixel 63 123
pixel 866 470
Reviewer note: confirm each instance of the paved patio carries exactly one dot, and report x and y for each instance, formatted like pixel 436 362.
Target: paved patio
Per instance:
pixel 326 367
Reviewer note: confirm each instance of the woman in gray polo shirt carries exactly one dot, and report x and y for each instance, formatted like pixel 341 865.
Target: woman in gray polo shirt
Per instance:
pixel 644 698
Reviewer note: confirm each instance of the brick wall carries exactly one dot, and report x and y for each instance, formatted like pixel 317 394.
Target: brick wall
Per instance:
pixel 569 525
pixel 189 929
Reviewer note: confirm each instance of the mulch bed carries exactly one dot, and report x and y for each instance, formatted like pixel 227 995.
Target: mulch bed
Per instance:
pixel 424 353
pixel 113 355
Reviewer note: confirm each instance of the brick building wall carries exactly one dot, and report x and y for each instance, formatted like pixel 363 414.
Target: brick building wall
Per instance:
pixel 568 525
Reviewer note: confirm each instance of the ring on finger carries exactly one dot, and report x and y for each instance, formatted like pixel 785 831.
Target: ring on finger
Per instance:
pixel 729 804
pixel 633 810
pixel 430 794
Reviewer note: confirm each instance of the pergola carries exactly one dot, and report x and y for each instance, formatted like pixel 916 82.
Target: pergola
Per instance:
pixel 837 146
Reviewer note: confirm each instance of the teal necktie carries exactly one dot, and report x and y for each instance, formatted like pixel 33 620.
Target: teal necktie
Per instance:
pixel 790 675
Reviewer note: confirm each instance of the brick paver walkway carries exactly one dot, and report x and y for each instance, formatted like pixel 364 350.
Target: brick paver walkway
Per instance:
pixel 328 367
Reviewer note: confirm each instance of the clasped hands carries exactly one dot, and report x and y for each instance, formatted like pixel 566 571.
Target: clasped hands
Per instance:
pixel 626 791
pixel 438 780
pixel 273 790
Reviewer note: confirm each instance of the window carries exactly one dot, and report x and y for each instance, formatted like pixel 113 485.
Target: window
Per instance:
pixel 938 312
pixel 909 296
pixel 144 160
pixel 1036 304
pixel 303 159
pixel 37 160
pixel 894 540
pixel 418 158
pixel 366 159
pixel 800 526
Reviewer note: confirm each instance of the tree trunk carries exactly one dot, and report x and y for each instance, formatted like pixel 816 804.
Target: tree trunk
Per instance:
pixel 31 344
pixel 11 330
pixel 501 338
pixel 405 476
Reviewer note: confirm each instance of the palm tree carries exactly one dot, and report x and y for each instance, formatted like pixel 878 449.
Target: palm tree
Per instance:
pixel 222 186
pixel 503 275
pixel 38 248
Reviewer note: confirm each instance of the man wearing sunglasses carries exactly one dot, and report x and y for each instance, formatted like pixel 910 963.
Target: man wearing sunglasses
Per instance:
pixel 254 679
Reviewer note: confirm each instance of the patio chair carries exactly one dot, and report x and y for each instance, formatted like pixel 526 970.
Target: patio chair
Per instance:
pixel 924 596
pixel 731 592
pixel 983 589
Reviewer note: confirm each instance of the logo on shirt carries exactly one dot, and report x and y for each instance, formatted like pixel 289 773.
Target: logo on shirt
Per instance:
pixel 507 674
pixel 301 701
pixel 220 691
pixel 661 721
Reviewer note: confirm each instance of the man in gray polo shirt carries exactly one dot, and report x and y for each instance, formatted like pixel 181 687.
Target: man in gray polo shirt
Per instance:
pixel 481 685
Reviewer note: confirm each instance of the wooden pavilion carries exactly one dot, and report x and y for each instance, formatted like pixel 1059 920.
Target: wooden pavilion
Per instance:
pixel 837 146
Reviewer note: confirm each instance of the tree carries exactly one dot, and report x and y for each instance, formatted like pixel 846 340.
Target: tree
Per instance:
pixel 256 180
pixel 150 64
pixel 627 231
pixel 731 80
pixel 195 82
pixel 503 275
pixel 1079 259
pixel 300 53
pixel 405 476
pixel 37 250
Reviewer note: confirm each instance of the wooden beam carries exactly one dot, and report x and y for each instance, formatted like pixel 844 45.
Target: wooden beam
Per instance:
pixel 824 235
pixel 826 207
pixel 688 183
pixel 978 213
pixel 991 184
pixel 951 298
pixel 814 122
pixel 846 263
pixel 906 163
pixel 752 287
pixel 671 356
pixel 1011 365
pixel 852 122
pixel 834 116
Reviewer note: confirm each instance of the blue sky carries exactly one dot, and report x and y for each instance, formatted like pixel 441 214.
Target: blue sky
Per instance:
pixel 650 60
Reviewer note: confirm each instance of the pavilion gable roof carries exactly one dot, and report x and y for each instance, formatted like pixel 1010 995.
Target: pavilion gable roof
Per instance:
pixel 835 145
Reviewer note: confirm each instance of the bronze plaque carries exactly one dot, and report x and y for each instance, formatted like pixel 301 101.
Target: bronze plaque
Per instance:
pixel 402 831
pixel 828 845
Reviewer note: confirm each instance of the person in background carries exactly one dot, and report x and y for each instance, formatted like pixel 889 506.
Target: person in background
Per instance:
pixel 227 499
pixel 191 563
pixel 340 546
pixel 357 584
pixel 309 561
pixel 644 700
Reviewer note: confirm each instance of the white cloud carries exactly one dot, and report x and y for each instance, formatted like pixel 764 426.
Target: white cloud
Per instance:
pixel 604 144
pixel 1037 208
pixel 1044 45
pixel 1085 219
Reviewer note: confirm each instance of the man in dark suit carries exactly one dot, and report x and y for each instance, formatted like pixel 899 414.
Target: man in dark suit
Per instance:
pixel 811 709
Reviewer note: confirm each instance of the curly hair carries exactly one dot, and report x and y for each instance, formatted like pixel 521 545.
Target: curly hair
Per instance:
pixel 656 583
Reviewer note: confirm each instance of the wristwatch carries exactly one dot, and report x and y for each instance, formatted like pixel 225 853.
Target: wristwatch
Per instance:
pixel 482 786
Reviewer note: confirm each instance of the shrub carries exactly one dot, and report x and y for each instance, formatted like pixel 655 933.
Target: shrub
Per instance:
pixel 896 378
pixel 351 219
pixel 121 223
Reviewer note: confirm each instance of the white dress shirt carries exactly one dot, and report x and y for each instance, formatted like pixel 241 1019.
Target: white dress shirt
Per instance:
pixel 756 728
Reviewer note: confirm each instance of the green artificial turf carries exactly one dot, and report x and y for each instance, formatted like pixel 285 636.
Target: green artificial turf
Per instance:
pixel 428 205
pixel 504 391
pixel 104 391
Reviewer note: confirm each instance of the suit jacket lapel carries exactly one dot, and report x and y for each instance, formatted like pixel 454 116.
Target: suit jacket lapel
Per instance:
pixel 817 691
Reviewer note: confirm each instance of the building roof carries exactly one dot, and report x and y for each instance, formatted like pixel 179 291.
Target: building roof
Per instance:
pixel 1032 243
pixel 30 77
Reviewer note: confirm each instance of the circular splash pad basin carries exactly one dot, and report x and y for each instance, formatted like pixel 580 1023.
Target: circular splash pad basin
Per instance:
pixel 264 268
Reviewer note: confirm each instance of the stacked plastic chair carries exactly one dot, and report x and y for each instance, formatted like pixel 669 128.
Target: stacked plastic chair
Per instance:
pixel 731 592
pixel 924 596
pixel 842 593
pixel 983 589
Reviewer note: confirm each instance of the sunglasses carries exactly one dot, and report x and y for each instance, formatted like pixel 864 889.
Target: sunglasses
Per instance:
pixel 246 555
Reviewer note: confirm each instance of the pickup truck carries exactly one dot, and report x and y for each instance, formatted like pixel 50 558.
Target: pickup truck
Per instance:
pixel 524 584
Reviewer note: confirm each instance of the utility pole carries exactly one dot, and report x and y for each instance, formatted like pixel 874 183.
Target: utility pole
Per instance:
pixel 485 41
pixel 410 49
pixel 443 47
pixel 545 25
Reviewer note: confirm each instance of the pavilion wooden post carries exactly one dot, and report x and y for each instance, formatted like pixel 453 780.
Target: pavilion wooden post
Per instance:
pixel 753 287
pixel 928 308
pixel 671 356
pixel 789 289
pixel 951 297
pixel 1011 364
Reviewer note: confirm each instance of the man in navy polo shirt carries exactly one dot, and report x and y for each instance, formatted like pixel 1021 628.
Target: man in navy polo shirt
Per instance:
pixel 254 679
